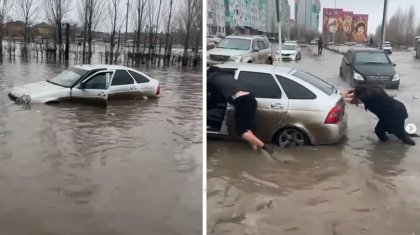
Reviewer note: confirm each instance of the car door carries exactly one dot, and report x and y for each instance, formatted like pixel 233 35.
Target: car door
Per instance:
pixel 272 105
pixel 93 90
pixel 255 51
pixel 143 83
pixel 262 55
pixel 122 86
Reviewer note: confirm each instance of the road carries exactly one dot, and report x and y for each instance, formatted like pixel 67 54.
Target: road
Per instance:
pixel 360 186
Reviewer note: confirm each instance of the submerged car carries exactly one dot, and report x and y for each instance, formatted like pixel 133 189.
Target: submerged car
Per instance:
pixel 241 49
pixel 95 84
pixel 289 52
pixel 369 65
pixel 293 107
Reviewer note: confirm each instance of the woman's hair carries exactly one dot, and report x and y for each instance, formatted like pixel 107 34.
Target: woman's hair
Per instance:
pixel 361 24
pixel 362 91
pixel 215 69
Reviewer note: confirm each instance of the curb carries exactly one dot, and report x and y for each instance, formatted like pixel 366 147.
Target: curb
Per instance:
pixel 335 50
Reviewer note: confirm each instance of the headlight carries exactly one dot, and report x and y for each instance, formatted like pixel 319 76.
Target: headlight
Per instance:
pixel 237 58
pixel 396 77
pixel 24 99
pixel 357 76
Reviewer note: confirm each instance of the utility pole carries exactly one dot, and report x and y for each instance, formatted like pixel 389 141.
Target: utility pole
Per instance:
pixel 384 24
pixel 125 35
pixel 279 27
pixel 335 18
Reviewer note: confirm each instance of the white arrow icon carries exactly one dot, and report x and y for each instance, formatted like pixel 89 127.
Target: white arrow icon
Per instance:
pixel 411 128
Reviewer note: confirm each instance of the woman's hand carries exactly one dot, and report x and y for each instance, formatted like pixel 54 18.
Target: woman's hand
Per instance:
pixel 348 96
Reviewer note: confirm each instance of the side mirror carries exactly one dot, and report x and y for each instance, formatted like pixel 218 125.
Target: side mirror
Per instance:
pixel 81 86
pixel 348 64
pixel 394 65
pixel 255 50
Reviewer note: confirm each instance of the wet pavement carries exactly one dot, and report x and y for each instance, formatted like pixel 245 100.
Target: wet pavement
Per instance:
pixel 132 168
pixel 360 186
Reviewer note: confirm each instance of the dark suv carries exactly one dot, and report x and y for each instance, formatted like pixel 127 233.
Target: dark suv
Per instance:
pixel 369 65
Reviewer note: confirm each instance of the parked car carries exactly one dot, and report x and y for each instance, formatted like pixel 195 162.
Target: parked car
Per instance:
pixel 314 42
pixel 369 65
pixel 291 42
pixel 294 107
pixel 387 47
pixel 95 84
pixel 241 49
pixel 213 39
pixel 289 52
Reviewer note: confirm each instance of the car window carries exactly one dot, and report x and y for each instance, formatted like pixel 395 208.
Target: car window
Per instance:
pixel 97 82
pixel 261 85
pixel 290 47
pixel 235 43
pixel 261 45
pixel 316 82
pixel 121 77
pixel 294 90
pixel 138 77
pixel 267 43
pixel 254 45
pixel 370 57
pixel 69 77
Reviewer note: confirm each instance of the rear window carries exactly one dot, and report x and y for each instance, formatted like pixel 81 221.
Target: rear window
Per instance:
pixel 316 82
pixel 294 90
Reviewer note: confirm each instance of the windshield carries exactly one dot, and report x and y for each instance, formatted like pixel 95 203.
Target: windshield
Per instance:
pixel 69 77
pixel 387 44
pixel 367 57
pixel 316 82
pixel 288 47
pixel 235 43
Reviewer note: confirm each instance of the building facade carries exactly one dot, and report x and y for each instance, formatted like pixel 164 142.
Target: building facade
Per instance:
pixel 216 17
pixel 245 16
pixel 307 14
pixel 271 16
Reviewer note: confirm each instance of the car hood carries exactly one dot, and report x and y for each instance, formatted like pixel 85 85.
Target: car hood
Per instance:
pixel 226 52
pixel 375 69
pixel 35 88
pixel 288 51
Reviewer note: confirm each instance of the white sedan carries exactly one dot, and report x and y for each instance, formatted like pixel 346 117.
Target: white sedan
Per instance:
pixel 92 84
pixel 289 52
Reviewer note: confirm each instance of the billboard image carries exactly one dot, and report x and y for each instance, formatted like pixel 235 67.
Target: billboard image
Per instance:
pixel 348 24
pixel 333 20
pixel 360 23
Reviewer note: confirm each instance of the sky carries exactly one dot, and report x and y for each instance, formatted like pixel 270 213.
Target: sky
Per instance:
pixel 374 8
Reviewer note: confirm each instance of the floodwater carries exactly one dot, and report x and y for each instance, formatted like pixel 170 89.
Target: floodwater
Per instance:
pixel 132 168
pixel 360 186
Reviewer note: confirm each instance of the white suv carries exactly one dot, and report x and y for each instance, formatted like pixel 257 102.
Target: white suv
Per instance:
pixel 241 49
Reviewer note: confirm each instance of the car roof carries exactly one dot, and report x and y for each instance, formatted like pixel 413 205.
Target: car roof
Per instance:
pixel 246 36
pixel 101 67
pixel 257 67
pixel 365 49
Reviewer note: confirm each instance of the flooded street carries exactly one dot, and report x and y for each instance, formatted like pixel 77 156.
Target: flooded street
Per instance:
pixel 132 168
pixel 360 186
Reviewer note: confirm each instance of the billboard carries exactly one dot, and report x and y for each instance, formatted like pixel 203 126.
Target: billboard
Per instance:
pixel 360 23
pixel 333 20
pixel 348 24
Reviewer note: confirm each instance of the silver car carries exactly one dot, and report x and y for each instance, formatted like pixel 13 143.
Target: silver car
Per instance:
pixel 241 49
pixel 93 84
pixel 294 107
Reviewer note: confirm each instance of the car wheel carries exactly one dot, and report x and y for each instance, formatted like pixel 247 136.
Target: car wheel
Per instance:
pixel 300 56
pixel 269 61
pixel 340 73
pixel 249 62
pixel 291 137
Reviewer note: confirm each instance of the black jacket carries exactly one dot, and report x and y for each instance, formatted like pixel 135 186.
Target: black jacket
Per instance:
pixel 224 85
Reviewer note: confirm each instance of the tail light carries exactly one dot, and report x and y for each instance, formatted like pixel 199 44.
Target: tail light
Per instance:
pixel 334 115
pixel 158 90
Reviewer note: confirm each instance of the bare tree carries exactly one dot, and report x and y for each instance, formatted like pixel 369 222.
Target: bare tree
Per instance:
pixel 114 7
pixel 5 7
pixel 151 10
pixel 168 27
pixel 139 16
pixel 187 15
pixel 56 11
pixel 27 11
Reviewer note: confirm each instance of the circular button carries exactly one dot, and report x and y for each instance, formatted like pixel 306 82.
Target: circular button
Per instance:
pixel 411 128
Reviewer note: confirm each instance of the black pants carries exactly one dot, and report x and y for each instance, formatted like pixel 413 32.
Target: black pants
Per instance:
pixel 393 123
pixel 319 50
pixel 245 109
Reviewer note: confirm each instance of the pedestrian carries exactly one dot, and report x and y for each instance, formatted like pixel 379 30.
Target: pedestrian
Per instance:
pixel 371 42
pixel 320 46
pixel 390 112
pixel 222 84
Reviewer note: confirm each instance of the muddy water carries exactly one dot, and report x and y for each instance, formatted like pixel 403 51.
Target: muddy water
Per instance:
pixel 133 168
pixel 359 186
